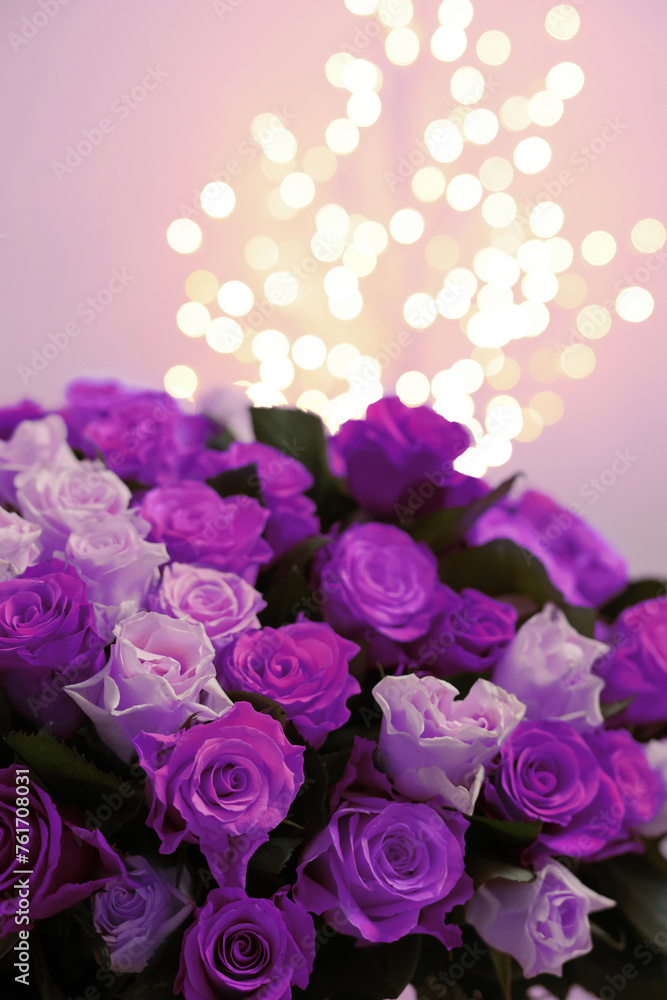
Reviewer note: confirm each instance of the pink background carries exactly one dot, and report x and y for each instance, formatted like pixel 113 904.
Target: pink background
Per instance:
pixel 60 240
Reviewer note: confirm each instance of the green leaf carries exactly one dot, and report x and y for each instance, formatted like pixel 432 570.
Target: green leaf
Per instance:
pixel 65 773
pixel 272 856
pixel 302 435
pixel 500 568
pixel 499 831
pixel 612 708
pixel 287 599
pixel 641 892
pixel 634 593
pixel 502 963
pixel 444 528
pixel 298 558
pixel 374 972
pixel 222 438
pixel 243 481
pixel 482 869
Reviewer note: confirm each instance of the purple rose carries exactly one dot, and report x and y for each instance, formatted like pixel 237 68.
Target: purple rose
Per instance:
pixel 283 480
pixel 304 667
pixel 118 566
pixel 548 772
pixel 160 673
pixel 378 580
pixel 33 443
pixel 290 522
pixel 400 458
pixel 579 562
pixel 47 639
pixel 224 603
pixel 141 435
pixel 19 544
pixel 67 861
pixel 549 668
pixel 636 665
pixel 136 911
pixel 656 755
pixel 197 525
pixel 542 924
pixel 255 949
pixel 383 868
pixel 431 744
pixel 61 499
pixel 469 631
pixel 222 785
pixel 637 792
pixel 12 416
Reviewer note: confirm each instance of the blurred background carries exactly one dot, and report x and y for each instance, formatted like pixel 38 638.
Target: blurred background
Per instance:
pixel 318 203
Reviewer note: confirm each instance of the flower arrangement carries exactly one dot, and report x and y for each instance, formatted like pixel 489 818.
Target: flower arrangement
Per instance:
pixel 316 718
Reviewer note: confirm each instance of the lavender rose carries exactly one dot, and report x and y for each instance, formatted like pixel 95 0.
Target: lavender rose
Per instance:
pixel 383 869
pixel 61 499
pixel 431 744
pixel 636 665
pixel 47 639
pixel 542 924
pixel 67 861
pixel 19 544
pixel 255 949
pixel 136 911
pixel 160 673
pixel 197 525
pixel 33 443
pixel 579 562
pixel 223 785
pixel 304 667
pixel 547 772
pixel 117 564
pixel 549 667
pixel 378 580
pixel 469 631
pixel 398 452
pixel 224 603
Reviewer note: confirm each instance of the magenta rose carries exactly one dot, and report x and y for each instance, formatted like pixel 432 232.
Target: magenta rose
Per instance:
pixel 469 631
pixel 378 580
pixel 384 868
pixel 542 924
pixel 548 772
pixel 304 667
pixel 12 416
pixel 224 603
pixel 141 435
pixel 579 562
pixel 199 526
pixel 636 665
pixel 400 458
pixel 238 947
pixel 47 640
pixel 283 480
pixel 222 784
pixel 138 910
pixel 67 862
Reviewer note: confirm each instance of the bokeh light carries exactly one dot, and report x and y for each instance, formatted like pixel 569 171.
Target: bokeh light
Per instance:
pixel 184 236
pixel 217 199
pixel 493 48
pixel 648 236
pixel 565 80
pixel 413 388
pixel 563 22
pixel 443 140
pixel 309 352
pixel 428 184
pixel 201 286
pixel 448 42
pixel 598 248
pixel 406 225
pixel 402 46
pixel 180 381
pixel 634 304
pixel 224 335
pixel 532 155
pixel 192 319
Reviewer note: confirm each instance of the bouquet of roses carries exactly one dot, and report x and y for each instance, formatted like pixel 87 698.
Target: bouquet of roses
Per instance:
pixel 313 717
